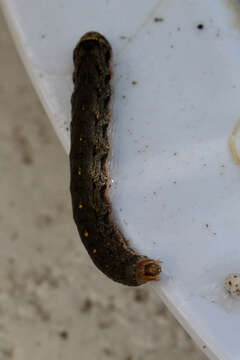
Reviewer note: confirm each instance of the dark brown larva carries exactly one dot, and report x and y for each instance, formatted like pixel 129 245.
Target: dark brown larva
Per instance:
pixel 92 210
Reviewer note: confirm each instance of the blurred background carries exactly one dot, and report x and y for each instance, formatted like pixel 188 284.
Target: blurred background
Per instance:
pixel 54 304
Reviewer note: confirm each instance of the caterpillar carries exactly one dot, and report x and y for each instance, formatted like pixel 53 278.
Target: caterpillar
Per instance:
pixel 90 145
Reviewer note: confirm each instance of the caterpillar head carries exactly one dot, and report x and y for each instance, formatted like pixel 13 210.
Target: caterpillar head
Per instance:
pixel 149 270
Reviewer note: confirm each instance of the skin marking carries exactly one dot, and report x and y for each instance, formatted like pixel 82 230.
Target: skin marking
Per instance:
pixel 232 143
pixel 92 210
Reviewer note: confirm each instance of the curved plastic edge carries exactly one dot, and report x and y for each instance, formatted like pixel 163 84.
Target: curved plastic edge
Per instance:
pixel 18 38
pixel 205 347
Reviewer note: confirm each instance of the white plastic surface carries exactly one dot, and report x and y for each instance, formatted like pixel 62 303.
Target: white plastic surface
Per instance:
pixel 176 189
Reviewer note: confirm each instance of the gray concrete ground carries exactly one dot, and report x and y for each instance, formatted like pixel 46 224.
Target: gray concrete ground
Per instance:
pixel 54 304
